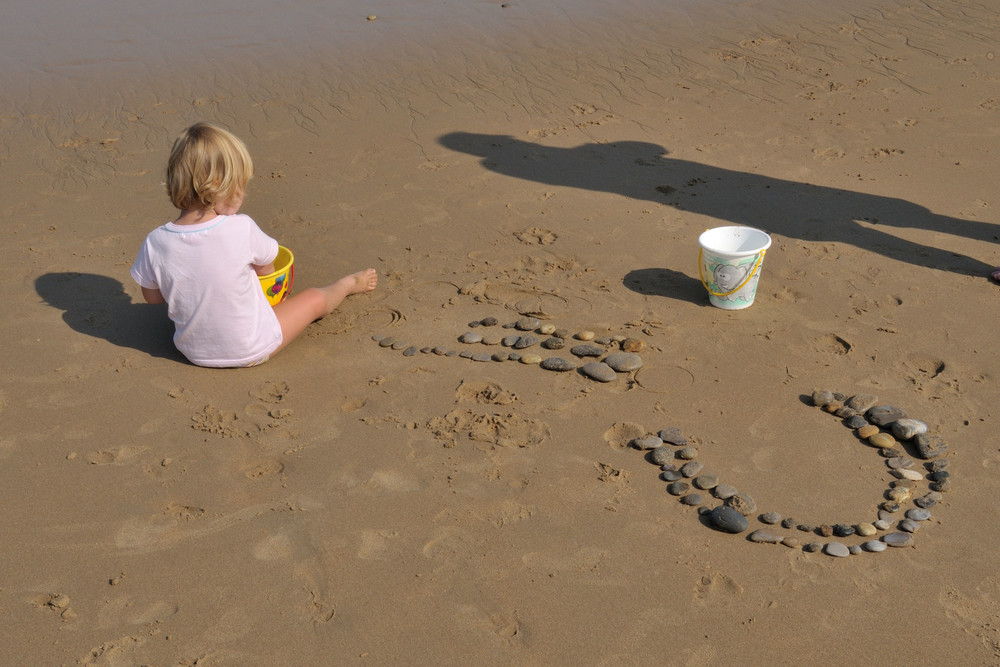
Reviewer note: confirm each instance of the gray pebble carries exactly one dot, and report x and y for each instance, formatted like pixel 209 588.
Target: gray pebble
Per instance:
pixel 451 353
pixel 470 337
pixel 909 525
pixel 491 340
pixel 883 415
pixel 742 503
pixel 553 343
pixel 410 351
pixel 525 341
pixel 678 488
pixel 898 539
pixel 762 536
pixel 671 475
pixel 942 486
pixel 508 341
pixel 875 546
pixel 587 351
pixel 692 499
pixel 904 429
pixel 398 345
pixel 691 469
pixel 687 453
pixel 648 442
pixel 843 530
pixel 861 402
pixel 918 514
pixel 527 324
pixel 855 422
pixel 624 362
pixel 836 549
pixel 387 341
pixel 728 520
pixel 924 502
pixel 705 482
pixel 499 355
pixel 473 325
pixel 770 518
pixel 672 434
pixel 562 333
pixel 822 397
pixel 723 491
pixel 426 350
pixel 661 456
pixel 939 465
pixel 440 351
pixel 899 462
pixel 812 547
pixel 882 524
pixel 465 354
pixel 854 549
pixel 514 356
pixel 482 356
pixel 939 475
pixel 489 321
pixel 558 364
pixel 788 522
pixel 598 370
pixel 377 337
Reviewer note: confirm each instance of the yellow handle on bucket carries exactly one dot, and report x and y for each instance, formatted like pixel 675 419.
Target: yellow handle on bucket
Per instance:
pixel 701 274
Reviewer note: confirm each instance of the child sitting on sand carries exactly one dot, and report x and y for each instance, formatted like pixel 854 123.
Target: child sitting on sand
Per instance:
pixel 205 264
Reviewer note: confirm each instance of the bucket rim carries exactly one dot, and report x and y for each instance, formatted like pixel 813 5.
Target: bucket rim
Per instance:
pixel 730 229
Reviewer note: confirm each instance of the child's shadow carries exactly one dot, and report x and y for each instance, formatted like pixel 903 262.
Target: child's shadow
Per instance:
pixel 98 306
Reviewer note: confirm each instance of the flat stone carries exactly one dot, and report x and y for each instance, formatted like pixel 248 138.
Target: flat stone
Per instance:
pixel 399 345
pixel 898 539
pixel 687 453
pixel 845 412
pixel 648 442
pixel 584 335
pixel 482 356
pixel 906 473
pixel 918 514
pixel 905 429
pixel 728 520
pixel 671 475
pixel 855 422
pixel 691 469
pixel 865 529
pixel 624 362
pixel 939 475
pixel 377 337
pixel 924 502
pixel 940 464
pixel 899 462
pixel 822 397
pixel 843 530
pixel 558 364
pixel 928 446
pixel 465 354
pixel 724 491
pixel 508 341
pixel 836 549
pixel 788 522
pixel 410 351
pixel 812 547
pixel 633 345
pixel 530 359
pixel 875 546
pixel 909 525
pixel 854 549
pixel 387 341
pixel 705 482
pixel 770 518
pixel 691 499
pixel 451 353
pixel 678 488
pixel 672 434
pixel 491 340
pixel 867 431
pixel 527 324
pixel 562 333
pixel 553 343
pixel 882 524
pixel 599 371
pixel 440 351
pixel 883 415
pixel 470 337
pixel 762 536
pixel 500 355
pixel 791 542
pixel 942 486
pixel 861 402
pixel 882 440
pixel 660 456
pixel 525 341
pixel 587 350
pixel 489 321
pixel 742 503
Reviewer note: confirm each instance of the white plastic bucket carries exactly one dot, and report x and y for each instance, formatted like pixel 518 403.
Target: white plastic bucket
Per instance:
pixel 729 264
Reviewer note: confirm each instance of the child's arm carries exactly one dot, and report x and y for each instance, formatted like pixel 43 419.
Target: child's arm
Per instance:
pixel 264 269
pixel 152 295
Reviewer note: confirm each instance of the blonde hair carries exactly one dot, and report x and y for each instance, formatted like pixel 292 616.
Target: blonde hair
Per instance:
pixel 207 166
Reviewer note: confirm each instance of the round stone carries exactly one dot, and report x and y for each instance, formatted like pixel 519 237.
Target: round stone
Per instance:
pixel 855 422
pixel 508 341
pixel 826 530
pixel 587 350
pixel 812 547
pixel 875 546
pixel 788 522
pixel 691 469
pixel 553 343
pixel 742 503
pixel 925 501
pixel 410 351
pixel 906 473
pixel 489 321
pixel 899 494
pixel 882 524
pixel 624 362
pixel 399 345
pixel 867 431
pixel 465 354
pixel 899 462
pixel 482 356
pixel 672 434
pixel 560 365
pixel 500 355
pixel 883 415
pixel 822 397
pixel 599 371
pixel 491 340
pixel 440 351
pixel 678 488
pixel 661 456
pixel 377 337
pixel 918 514
pixel 705 482
pixel 387 341
pixel 770 518
pixel 724 491
pixel 854 549
pixel 865 529
pixel 898 539
pixel 527 340
pixel 843 530
pixel 762 536
pixel 687 453
pixel 790 541
pixel 671 475
pixel 530 359
pixel 451 353
pixel 470 337
pixel 691 499
pixel 909 525
pixel 861 402
pixel 546 329
pixel 943 486
pixel 836 549
pixel 426 350
pixel 584 335
pixel 648 442
pixel 527 324
pixel 728 520
pixel 882 440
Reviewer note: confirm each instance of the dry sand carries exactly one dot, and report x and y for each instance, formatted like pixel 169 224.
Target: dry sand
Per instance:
pixel 344 503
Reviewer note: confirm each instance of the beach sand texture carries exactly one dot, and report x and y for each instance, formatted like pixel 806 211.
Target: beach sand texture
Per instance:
pixel 346 503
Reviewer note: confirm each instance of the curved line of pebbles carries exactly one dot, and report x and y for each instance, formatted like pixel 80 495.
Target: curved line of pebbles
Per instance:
pixel 608 356
pixel 884 427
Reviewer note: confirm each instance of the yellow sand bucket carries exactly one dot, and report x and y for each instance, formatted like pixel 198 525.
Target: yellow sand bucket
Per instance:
pixel 278 284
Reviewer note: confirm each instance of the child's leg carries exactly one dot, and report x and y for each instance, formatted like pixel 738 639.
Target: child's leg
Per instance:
pixel 300 310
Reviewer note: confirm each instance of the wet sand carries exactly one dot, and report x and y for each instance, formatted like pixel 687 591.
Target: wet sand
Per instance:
pixel 346 503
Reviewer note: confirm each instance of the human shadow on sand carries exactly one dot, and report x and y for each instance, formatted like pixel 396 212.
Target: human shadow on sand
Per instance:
pixel 815 213
pixel 98 306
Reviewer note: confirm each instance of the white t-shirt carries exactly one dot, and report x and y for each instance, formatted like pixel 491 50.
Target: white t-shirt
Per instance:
pixel 213 295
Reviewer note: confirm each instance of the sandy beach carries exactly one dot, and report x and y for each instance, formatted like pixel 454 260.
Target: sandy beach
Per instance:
pixel 351 503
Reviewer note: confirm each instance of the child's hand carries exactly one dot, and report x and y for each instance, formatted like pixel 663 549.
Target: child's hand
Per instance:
pixel 265 270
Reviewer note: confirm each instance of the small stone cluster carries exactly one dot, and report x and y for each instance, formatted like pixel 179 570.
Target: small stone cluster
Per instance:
pixel 608 355
pixel 884 427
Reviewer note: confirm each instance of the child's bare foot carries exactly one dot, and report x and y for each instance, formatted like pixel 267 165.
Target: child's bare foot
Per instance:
pixel 355 283
pixel 364 281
